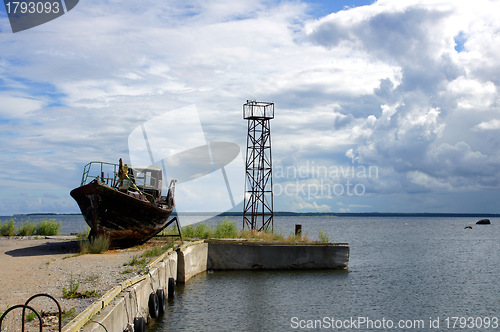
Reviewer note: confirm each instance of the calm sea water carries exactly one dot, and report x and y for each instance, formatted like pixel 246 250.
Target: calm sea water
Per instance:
pixel 417 271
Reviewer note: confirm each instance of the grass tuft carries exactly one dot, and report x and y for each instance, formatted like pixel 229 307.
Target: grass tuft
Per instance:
pixel 139 262
pixel 323 237
pixel 72 292
pixel 73 288
pixel 30 316
pixel 96 246
pixel 68 315
pixel 156 251
pixel 136 260
pixel 228 229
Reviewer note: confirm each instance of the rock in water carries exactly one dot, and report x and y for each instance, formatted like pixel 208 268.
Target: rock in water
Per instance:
pixel 483 222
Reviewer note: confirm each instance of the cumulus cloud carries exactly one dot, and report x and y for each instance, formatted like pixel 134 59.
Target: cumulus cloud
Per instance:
pixel 414 115
pixel 488 125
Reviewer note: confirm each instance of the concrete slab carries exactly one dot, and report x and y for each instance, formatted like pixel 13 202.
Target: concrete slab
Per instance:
pixel 223 255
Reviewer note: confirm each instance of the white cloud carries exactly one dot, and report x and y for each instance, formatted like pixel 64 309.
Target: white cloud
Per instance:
pixel 473 94
pixel 302 205
pixel 488 125
pixel 18 106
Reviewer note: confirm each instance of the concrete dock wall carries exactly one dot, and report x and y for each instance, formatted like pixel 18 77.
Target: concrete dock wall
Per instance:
pixel 192 260
pixel 118 308
pixel 250 256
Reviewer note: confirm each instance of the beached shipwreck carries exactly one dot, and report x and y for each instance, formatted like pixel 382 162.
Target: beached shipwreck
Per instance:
pixel 124 203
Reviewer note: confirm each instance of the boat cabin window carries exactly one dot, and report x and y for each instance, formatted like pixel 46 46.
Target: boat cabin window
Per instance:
pixel 148 179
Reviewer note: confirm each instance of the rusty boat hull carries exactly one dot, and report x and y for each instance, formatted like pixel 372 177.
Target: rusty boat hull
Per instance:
pixel 124 217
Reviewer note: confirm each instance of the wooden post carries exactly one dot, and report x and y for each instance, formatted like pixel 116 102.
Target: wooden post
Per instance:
pixel 298 230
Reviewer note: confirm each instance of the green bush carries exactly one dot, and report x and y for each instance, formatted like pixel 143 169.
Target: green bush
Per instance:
pixel 188 231
pixel 48 227
pixel 203 231
pixel 26 229
pixel 200 231
pixel 8 228
pixel 226 229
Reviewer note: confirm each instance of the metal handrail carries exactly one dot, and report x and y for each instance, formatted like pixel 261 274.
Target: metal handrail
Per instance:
pixel 50 297
pixel 87 168
pixel 24 306
pixel 100 168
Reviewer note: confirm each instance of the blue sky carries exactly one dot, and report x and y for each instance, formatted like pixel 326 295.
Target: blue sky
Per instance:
pixel 388 105
pixel 320 8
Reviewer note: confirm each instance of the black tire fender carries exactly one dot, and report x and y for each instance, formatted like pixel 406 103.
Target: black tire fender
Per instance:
pixel 139 324
pixel 171 288
pixel 162 301
pixel 154 306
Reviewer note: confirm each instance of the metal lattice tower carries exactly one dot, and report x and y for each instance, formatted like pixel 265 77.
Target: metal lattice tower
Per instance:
pixel 258 202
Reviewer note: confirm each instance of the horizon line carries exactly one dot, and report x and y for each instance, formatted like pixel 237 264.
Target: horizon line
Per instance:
pixel 290 213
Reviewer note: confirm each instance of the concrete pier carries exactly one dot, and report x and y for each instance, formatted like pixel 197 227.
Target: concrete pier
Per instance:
pixel 192 260
pixel 224 255
pixel 118 308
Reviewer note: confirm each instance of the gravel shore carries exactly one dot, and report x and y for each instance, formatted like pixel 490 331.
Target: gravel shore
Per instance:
pixel 30 265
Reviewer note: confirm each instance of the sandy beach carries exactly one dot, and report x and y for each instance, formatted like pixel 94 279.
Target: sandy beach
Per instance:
pixel 45 265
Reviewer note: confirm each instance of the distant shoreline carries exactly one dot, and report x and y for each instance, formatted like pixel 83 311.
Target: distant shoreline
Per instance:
pixel 40 215
pixel 305 214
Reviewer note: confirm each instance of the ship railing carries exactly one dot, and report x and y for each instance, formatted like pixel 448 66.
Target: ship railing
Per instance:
pixel 108 173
